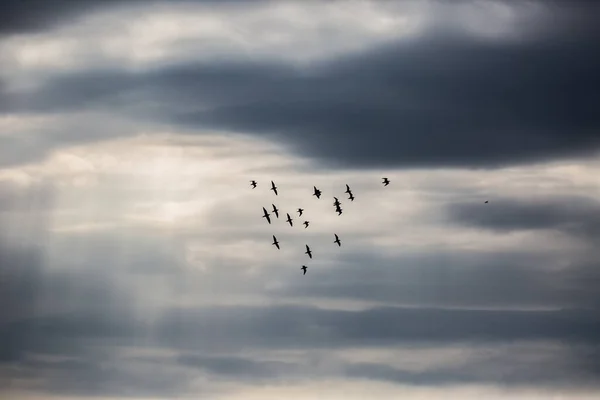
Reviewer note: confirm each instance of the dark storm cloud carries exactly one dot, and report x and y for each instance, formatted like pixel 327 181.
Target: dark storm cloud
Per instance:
pixel 445 99
pixel 573 215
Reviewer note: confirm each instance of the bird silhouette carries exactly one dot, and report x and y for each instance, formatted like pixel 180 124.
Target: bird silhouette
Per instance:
pixel 305 224
pixel 308 251
pixel 253 184
pixel 304 268
pixel 275 211
pixel 266 215
pixel 289 220
pixel 317 192
pixel 300 211
pixel 337 240
pixel 273 188
pixel 275 242
pixel 386 181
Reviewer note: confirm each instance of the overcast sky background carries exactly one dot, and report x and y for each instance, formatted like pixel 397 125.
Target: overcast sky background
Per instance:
pixel 134 262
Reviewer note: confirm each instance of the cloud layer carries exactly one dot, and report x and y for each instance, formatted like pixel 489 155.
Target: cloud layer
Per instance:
pixel 133 258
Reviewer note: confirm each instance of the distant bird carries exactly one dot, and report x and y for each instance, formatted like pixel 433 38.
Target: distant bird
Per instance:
pixel 266 215
pixel 350 196
pixel 317 192
pixel 253 184
pixel 339 210
pixel 336 202
pixel 486 201
pixel 305 224
pixel 386 181
pixel 304 269
pixel 308 251
pixel 347 189
pixel 337 240
pixel 300 211
pixel 274 188
pixel 275 242
pixel 275 211
pixel 289 220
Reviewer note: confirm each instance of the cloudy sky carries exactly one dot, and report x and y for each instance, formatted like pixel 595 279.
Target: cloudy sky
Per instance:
pixel 134 262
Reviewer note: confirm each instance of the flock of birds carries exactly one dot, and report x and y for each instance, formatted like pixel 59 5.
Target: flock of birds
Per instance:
pixel 289 220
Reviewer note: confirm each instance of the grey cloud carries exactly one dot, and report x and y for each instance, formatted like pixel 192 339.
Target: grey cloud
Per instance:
pixel 99 377
pixel 574 215
pixel 30 198
pixel 33 16
pixel 454 279
pixel 90 331
pixel 239 368
pixel 445 99
pixel 509 368
pixel 302 327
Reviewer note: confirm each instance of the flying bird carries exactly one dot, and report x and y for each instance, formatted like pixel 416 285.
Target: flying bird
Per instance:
pixel 300 211
pixel 337 240
pixel 308 251
pixel 289 220
pixel 386 181
pixel 253 184
pixel 350 196
pixel 336 202
pixel 305 224
pixel 274 188
pixel 275 211
pixel 304 269
pixel 266 215
pixel 275 242
pixel 347 189
pixel 317 192
pixel 339 210
pixel 486 201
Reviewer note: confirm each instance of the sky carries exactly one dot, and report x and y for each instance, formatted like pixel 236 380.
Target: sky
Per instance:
pixel 134 262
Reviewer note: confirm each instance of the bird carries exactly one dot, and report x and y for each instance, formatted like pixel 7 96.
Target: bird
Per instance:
pixel 275 211
pixel 317 192
pixel 348 189
pixel 337 240
pixel 253 184
pixel 304 268
pixel 266 215
pixel 350 196
pixel 339 210
pixel 305 224
pixel 386 181
pixel 275 242
pixel 336 202
pixel 308 251
pixel 300 211
pixel 486 201
pixel 289 220
pixel 274 188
